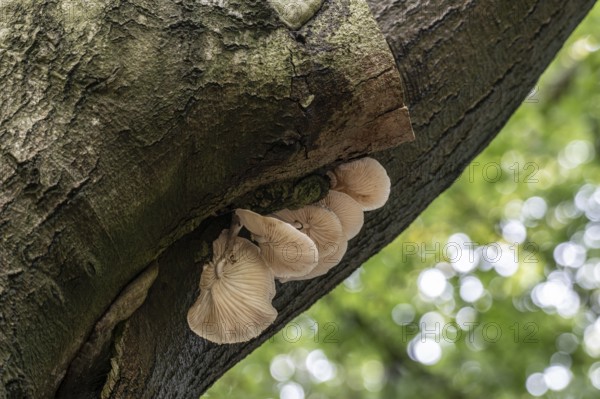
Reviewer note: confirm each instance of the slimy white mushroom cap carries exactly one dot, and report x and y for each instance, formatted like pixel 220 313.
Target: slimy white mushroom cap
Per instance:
pixel 325 229
pixel 236 290
pixel 348 211
pixel 365 180
pixel 288 252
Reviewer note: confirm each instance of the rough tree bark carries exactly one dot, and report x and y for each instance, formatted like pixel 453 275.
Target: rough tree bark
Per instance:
pixel 125 124
pixel 128 129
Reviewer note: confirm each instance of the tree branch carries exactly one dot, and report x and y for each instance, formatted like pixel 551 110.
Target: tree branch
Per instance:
pixel 466 66
pixel 116 135
pixel 125 124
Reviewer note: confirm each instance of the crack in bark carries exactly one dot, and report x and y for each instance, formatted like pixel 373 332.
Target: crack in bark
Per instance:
pixel 90 358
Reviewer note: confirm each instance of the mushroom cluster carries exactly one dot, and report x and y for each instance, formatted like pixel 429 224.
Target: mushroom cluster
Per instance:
pixel 237 286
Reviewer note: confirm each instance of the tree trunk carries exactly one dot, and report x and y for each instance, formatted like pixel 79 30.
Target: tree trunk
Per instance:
pixel 128 130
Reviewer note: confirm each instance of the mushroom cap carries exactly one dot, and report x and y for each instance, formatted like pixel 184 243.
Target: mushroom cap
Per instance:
pixel 325 267
pixel 347 210
pixel 236 306
pixel 365 180
pixel 288 252
pixel 325 229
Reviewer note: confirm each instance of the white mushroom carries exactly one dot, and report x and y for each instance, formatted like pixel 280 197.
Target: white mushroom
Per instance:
pixel 287 251
pixel 236 290
pixel 347 210
pixel 325 229
pixel 365 180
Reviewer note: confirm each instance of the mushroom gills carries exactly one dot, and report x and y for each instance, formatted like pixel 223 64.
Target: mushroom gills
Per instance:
pixel 365 180
pixel 287 251
pixel 235 305
pixel 325 229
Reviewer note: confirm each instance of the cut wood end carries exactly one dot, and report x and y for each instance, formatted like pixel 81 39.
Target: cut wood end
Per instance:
pixel 369 114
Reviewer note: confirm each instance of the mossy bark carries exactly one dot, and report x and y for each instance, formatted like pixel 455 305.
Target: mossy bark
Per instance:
pixel 125 124
pixel 129 128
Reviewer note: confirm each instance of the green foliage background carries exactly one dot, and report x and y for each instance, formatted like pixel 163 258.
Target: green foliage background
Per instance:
pixel 532 197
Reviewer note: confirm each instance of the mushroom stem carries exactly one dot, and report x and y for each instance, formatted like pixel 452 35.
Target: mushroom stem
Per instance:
pixel 298 225
pixel 219 267
pixel 234 230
